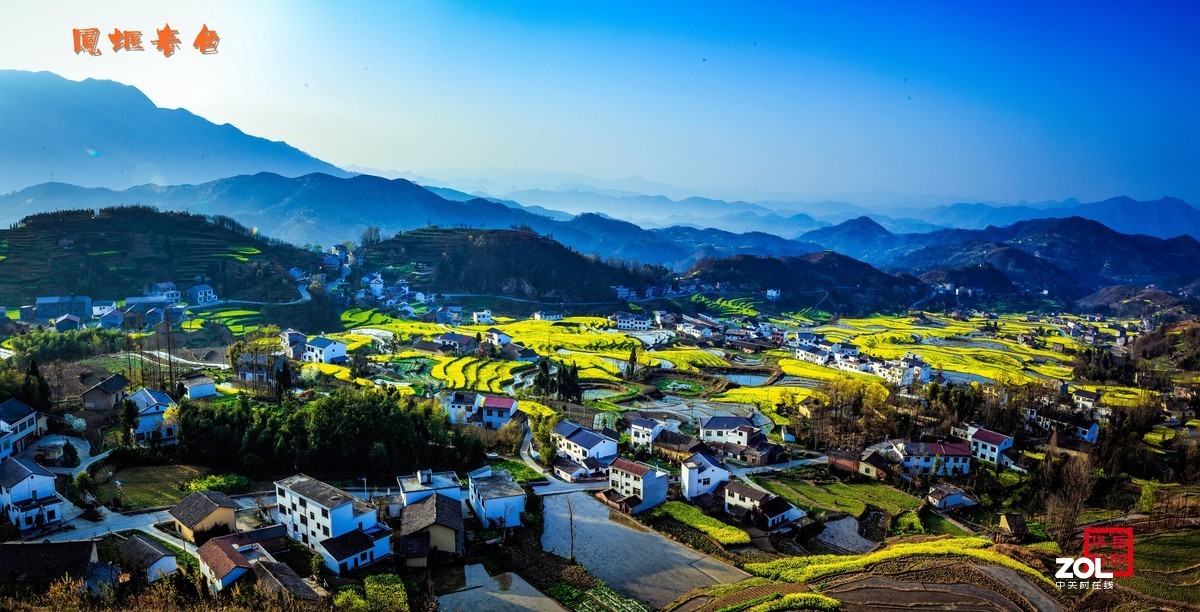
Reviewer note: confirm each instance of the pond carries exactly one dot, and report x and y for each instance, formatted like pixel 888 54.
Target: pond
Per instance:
pixel 966 377
pixel 745 380
pixel 595 394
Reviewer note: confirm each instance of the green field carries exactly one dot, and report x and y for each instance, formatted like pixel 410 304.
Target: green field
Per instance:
pixel 149 487
pixel 1167 566
pixel 852 499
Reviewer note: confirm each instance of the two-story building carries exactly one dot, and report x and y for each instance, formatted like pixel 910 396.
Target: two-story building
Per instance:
pixel 986 444
pixel 701 474
pixel 727 429
pixel 495 411
pixel 200 295
pixel 27 495
pixel 18 426
pixel 152 427
pixel 343 529
pixel 634 486
pixel 642 432
pixel 427 482
pixel 630 322
pixel 758 508
pixel 495 497
pixel 577 442
pixel 106 394
pixel 320 349
pixel 936 458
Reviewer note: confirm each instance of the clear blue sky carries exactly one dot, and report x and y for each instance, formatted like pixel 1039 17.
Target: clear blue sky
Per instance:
pixel 1001 102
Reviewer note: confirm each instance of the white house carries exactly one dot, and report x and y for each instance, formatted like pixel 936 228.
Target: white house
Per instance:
pixel 482 317
pixel 643 431
pixel 320 349
pixel 579 443
pixel 701 474
pixel 737 430
pixel 427 482
pixel 151 424
pixel 200 387
pixel 948 497
pixel 494 410
pixel 149 556
pixel 345 530
pixel 201 294
pixel 27 495
pixel 752 505
pixel 635 486
pixel 628 321
pixel 18 426
pixel 937 458
pixel 909 370
pixel 546 315
pixel 495 497
pixel 460 406
pixel 498 337
pixel 985 443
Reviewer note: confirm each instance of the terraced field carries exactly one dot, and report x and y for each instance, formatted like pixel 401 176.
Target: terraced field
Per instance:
pixel 1167 567
pixel 240 321
pixel 488 375
pixel 852 499
pixel 730 307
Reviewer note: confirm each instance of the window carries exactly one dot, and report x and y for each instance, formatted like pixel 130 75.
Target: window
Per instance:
pixel 280 493
pixel 325 528
pixel 50 515
pixel 324 513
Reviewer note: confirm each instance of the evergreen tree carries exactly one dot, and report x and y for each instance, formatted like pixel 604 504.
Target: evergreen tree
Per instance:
pixel 129 417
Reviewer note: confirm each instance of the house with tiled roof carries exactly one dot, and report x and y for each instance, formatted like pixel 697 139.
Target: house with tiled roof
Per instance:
pixel 461 343
pixel 701 474
pixel 343 529
pixel 643 431
pixel 985 443
pixel 757 507
pixel 936 458
pixel 147 555
pixel 37 565
pixel 106 394
pixel 432 526
pixel 18 426
pixel 27 495
pixel 237 557
pixel 320 349
pixel 495 410
pixel 578 443
pixel 674 446
pixel 634 487
pixel 204 514
pixel 152 427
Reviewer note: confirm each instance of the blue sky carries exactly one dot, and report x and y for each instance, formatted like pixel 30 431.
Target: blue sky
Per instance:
pixel 999 102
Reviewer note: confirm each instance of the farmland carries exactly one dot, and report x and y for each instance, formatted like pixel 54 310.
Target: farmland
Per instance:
pixel 473 373
pixel 1167 567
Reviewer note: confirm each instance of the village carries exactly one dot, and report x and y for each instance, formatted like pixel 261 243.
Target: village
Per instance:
pixel 730 432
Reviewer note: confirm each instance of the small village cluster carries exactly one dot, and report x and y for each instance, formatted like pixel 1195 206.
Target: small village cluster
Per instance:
pixel 163 303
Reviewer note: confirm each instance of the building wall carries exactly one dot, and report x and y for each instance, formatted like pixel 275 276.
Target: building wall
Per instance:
pixel 222 516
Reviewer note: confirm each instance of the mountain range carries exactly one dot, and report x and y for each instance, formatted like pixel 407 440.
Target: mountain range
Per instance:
pixel 105 134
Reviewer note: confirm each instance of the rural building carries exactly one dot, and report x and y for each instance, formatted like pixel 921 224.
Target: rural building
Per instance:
pixel 577 442
pixel 249 557
pixel 148 556
pixel 495 411
pixel 152 428
pixel 426 483
pixel 496 498
pixel 547 315
pixel 431 527
pixel 342 528
pixel 201 295
pixel 701 474
pixel 204 514
pixel 27 495
pixel 635 486
pixel 459 405
pixel 674 446
pixel 643 431
pixel 986 444
pixel 36 565
pixel 320 349
pixel 949 497
pixel 18 426
pixel 937 458
pixel 199 387
pixel 106 394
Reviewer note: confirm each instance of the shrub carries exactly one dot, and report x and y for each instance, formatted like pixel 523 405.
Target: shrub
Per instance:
pixel 225 483
pixel 386 593
pixel 350 598
pixel 908 523
pixel 726 535
pixel 799 601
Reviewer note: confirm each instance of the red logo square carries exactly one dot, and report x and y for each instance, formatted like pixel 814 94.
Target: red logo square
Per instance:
pixel 1113 546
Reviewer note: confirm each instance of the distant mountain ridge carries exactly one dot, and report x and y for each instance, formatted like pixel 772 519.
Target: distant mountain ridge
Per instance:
pixel 106 134
pixel 318 208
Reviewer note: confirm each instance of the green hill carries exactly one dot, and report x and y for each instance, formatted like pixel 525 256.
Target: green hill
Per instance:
pixel 517 263
pixel 118 252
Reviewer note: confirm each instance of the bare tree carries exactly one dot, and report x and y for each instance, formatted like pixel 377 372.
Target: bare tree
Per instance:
pixel 1064 505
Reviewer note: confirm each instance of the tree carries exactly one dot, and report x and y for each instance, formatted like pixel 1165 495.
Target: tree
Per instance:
pixel 315 564
pixel 370 237
pixel 35 391
pixel 129 418
pixel 70 455
pixel 283 380
pixel 631 366
pixel 1075 483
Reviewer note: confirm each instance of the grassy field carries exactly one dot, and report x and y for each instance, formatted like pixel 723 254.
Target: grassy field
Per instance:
pixel 150 487
pixel 765 399
pixel 1167 566
pixel 689 359
pixel 341 373
pixel 240 321
pixel 488 375
pixel 729 307
pixel 726 535
pixel 852 499
pixel 519 471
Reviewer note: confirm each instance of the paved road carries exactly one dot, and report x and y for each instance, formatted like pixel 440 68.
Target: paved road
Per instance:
pixel 111 522
pixel 629 557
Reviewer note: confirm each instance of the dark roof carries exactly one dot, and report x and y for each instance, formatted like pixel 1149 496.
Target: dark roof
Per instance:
pixel 110 385
pixel 921 449
pixel 14 470
pixel 433 510
pixel 199 505
pixel 278 578
pixel 775 506
pixel 348 544
pixel 321 342
pixel 673 440
pixel 724 422
pixel 142 551
pixel 566 464
pixel 14 410
pixel 1085 394
pixel 44 562
pixel 740 488
pixel 316 491
pixel 625 465
pixel 878 461
pixel 645 423
pixel 413 546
